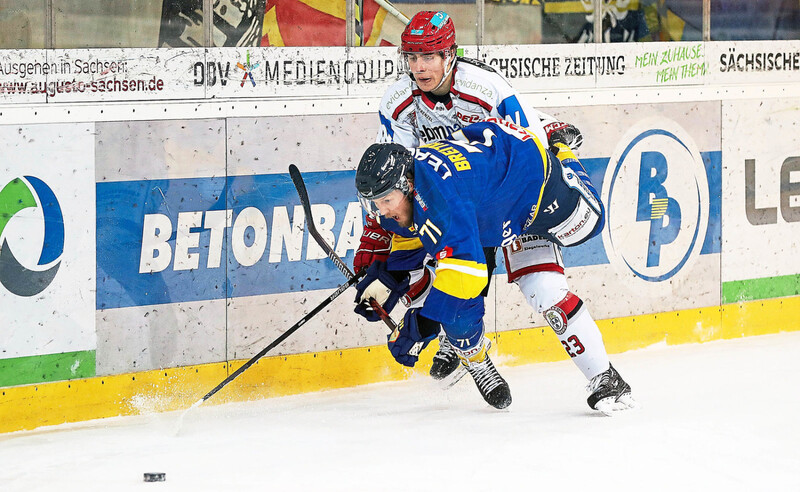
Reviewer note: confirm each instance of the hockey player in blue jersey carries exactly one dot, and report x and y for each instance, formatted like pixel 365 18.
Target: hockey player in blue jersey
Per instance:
pixel 440 93
pixel 489 185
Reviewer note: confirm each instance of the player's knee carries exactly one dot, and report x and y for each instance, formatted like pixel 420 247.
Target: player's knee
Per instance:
pixel 543 290
pixel 559 315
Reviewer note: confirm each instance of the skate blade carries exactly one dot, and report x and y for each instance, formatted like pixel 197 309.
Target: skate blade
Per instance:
pixel 609 406
pixel 451 379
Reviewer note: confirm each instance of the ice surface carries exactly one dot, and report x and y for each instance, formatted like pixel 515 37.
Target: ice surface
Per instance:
pixel 717 416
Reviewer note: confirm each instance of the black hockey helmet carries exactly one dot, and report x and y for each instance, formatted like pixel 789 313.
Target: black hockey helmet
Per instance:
pixel 383 169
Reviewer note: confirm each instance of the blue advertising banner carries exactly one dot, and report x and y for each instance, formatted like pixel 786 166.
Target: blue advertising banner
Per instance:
pixel 166 241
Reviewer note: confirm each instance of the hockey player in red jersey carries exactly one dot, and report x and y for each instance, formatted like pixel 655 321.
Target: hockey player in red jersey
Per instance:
pixel 440 94
pixel 488 185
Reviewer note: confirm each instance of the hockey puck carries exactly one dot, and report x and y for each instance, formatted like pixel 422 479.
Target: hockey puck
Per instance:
pixel 155 477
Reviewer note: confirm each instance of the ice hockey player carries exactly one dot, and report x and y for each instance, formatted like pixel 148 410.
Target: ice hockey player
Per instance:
pixel 439 94
pixel 492 182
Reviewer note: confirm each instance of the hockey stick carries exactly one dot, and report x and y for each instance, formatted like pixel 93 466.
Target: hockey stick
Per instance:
pixel 393 10
pixel 351 281
pixel 302 192
pixel 300 185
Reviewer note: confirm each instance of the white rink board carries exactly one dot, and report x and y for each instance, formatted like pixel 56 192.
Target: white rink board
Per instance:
pixel 544 68
pixel 216 130
pixel 152 74
pixel 761 235
pixel 167 149
pixel 609 131
pixel 24 75
pixel 141 337
pixel 753 62
pixel 288 72
pixel 313 143
pixel 60 318
pixel 95 75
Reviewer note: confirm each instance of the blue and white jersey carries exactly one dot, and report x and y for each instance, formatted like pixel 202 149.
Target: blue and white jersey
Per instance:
pixel 411 117
pixel 489 184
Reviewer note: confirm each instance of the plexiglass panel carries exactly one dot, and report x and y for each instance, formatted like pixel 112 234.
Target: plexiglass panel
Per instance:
pixel 106 24
pixel 463 13
pixel 734 20
pixel 512 22
pixel 673 20
pixel 180 23
pixel 22 24
pixel 308 22
pixel 571 21
pixel 238 22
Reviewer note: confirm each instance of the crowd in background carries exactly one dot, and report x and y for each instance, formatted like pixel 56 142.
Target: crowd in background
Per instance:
pixel 181 23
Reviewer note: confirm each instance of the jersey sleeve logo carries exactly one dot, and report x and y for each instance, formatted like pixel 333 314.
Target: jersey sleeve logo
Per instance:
pixel 447 252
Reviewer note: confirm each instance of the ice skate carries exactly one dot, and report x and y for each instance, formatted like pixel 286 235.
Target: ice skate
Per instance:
pixel 491 384
pixel 609 393
pixel 446 367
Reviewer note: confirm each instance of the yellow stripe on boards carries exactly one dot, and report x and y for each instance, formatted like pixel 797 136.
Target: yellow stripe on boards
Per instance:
pixel 31 406
pixel 533 345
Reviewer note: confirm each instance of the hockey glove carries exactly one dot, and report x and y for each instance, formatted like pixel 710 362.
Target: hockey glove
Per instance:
pixel 375 245
pixel 560 132
pixel 385 287
pixel 411 336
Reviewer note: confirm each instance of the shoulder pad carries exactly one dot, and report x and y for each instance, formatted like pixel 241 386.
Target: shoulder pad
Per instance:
pixel 476 63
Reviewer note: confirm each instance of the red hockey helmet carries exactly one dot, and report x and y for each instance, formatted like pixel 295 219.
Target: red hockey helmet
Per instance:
pixel 428 32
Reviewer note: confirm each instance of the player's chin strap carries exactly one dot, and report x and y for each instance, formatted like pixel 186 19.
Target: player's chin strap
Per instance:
pixel 450 63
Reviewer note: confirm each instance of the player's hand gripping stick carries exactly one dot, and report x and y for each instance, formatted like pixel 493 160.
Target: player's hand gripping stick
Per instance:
pixel 300 185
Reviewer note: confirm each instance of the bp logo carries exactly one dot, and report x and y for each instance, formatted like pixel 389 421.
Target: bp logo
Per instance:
pixel 656 191
pixel 31 236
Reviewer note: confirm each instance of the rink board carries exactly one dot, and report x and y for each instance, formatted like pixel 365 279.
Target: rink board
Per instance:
pixel 175 389
pixel 103 75
pixel 182 249
pixel 200 241
pixel 205 308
